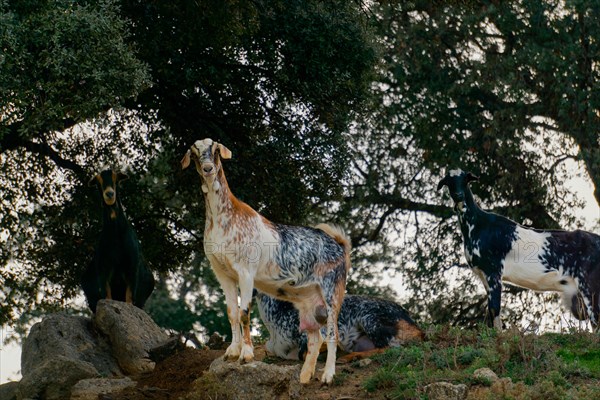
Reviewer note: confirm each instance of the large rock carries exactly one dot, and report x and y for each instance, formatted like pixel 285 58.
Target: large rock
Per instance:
pixel 67 336
pixel 53 379
pixel 8 391
pixel 62 350
pixel 91 389
pixel 131 332
pixel 255 380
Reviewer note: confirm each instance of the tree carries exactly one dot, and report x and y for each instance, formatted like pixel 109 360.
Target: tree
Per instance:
pixel 502 89
pixel 277 82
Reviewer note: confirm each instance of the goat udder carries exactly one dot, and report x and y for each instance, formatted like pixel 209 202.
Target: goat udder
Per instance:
pixel 309 324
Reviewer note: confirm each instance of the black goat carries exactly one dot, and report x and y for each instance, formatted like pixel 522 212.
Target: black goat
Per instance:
pixel 118 270
pixel 498 249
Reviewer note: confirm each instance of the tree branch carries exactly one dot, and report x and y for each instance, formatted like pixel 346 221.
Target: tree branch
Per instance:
pixel 12 140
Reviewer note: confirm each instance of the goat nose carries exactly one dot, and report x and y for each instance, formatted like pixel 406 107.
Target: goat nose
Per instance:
pixel 109 194
pixel 207 168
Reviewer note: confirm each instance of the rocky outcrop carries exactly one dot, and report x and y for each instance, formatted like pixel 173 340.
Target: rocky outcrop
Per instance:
pixel 67 356
pixel 72 337
pixel 255 380
pixel 8 391
pixel 91 389
pixel 132 334
pixel 53 378
pixel 445 391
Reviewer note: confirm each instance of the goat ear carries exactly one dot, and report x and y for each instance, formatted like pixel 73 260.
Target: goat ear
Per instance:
pixel 94 181
pixel 185 161
pixel 224 151
pixel 443 182
pixel 471 177
pixel 121 177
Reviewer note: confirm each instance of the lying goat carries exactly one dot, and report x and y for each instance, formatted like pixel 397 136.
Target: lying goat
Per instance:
pixel 497 248
pixel 305 266
pixel 366 325
pixel 118 270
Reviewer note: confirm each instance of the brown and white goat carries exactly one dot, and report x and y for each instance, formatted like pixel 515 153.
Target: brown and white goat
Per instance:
pixel 302 265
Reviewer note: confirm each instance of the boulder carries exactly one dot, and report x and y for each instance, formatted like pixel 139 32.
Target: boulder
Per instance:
pixel 91 389
pixel 131 333
pixel 67 336
pixel 8 391
pixel 54 378
pixel 445 391
pixel 485 374
pixel 255 380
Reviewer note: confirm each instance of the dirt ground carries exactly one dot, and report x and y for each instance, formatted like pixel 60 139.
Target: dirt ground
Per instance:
pixel 173 377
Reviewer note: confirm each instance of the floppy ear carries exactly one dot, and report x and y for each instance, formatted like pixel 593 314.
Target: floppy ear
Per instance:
pixel 185 161
pixel 443 182
pixel 121 177
pixel 471 178
pixel 94 181
pixel 224 151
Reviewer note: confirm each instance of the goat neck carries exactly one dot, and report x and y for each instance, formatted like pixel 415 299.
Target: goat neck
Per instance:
pixel 467 210
pixel 112 215
pixel 220 203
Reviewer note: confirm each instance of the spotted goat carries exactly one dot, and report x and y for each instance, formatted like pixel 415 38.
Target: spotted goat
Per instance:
pixel 302 265
pixel 498 249
pixel 117 270
pixel 366 325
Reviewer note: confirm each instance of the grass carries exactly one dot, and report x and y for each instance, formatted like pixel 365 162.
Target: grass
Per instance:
pixel 545 367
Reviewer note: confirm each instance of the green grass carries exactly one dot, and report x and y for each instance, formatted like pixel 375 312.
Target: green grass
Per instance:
pixel 562 366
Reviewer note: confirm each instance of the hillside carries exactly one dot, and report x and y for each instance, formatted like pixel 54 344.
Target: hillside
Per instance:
pixel 525 366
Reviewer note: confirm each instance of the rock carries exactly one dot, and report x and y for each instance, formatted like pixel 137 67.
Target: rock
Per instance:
pixel 131 333
pixel 54 378
pixel 445 391
pixel 485 374
pixel 365 362
pixel 67 336
pixel 90 389
pixel 8 391
pixel 255 380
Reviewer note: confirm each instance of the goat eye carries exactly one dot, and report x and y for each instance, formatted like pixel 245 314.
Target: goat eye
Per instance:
pixel 292 283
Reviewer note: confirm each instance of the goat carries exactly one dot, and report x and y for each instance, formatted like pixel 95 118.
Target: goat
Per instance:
pixel 498 249
pixel 306 266
pixel 118 270
pixel 366 325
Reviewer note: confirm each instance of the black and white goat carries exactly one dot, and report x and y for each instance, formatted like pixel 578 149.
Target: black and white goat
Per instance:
pixel 305 266
pixel 498 249
pixel 118 270
pixel 366 325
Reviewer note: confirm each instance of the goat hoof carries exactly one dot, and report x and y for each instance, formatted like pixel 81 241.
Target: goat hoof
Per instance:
pixel 306 376
pixel 327 378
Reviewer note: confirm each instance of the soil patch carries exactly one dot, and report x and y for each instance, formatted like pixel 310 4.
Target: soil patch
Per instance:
pixel 172 377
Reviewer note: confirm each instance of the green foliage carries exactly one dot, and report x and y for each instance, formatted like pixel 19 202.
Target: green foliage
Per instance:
pixel 277 82
pixel 538 366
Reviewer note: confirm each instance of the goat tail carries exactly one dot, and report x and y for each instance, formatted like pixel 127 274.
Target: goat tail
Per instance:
pixel 338 234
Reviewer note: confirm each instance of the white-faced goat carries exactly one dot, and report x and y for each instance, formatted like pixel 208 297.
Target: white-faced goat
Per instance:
pixel 118 270
pixel 498 249
pixel 305 266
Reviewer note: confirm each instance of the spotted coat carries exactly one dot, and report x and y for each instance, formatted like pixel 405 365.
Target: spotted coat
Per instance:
pixel 306 266
pixel 364 324
pixel 498 249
